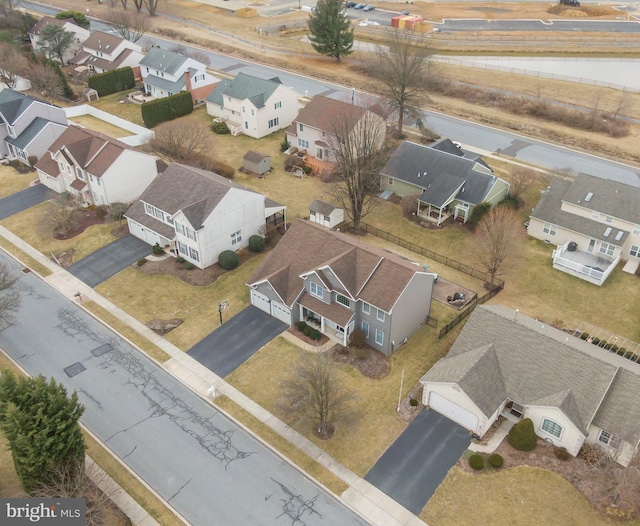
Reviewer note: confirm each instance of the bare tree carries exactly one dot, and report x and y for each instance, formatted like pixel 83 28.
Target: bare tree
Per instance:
pixel 13 64
pixel 520 179
pixel 403 69
pixel 55 41
pixel 44 80
pixel 357 142
pixel 62 209
pixel 180 140
pixel 127 24
pixel 9 296
pixel 152 6
pixel 314 393
pixel 497 240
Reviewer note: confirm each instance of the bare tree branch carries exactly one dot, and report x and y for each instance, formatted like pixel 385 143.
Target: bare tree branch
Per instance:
pixel 9 297
pixel 127 24
pixel 180 140
pixel 44 80
pixel 13 64
pixel 520 179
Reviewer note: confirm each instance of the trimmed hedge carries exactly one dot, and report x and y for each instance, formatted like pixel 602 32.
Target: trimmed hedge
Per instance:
pixel 169 108
pixel 78 18
pixel 495 461
pixel 228 259
pixel 141 261
pixel 301 325
pixel 112 81
pixel 478 213
pixel 189 266
pixel 476 462
pixel 256 243
pixel 523 436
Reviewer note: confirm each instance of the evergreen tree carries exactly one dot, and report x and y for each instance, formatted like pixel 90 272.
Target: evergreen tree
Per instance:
pixel 55 41
pixel 40 423
pixel 331 31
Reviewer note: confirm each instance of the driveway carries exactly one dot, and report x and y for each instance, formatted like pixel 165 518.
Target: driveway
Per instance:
pixel 108 261
pixel 419 460
pixel 237 340
pixel 22 200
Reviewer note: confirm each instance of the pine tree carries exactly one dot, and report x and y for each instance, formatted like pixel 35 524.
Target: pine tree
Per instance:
pixel 331 31
pixel 40 423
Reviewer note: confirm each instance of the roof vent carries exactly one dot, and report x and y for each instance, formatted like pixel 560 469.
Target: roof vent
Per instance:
pixel 589 196
pixel 607 231
pixel 424 173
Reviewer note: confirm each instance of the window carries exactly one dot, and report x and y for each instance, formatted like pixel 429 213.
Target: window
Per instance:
pixel 182 248
pixel 379 337
pixel 79 173
pixel 380 315
pixel 608 219
pixel 69 169
pixel 246 125
pixel 277 105
pixel 390 181
pixel 550 229
pixel 595 215
pixel 61 166
pixel 316 290
pixel 343 299
pixel 153 211
pixel 551 427
pixel 609 439
pixel 190 233
pixel 193 253
pixel 634 251
pixel 236 237
pixel 312 213
pixel 636 230
pixel 303 144
pixel 98 181
pixel 607 249
pixel 244 110
pixel 365 329
pixel 274 122
pixel 366 308
pixel 253 112
pixel 180 228
pixel 300 127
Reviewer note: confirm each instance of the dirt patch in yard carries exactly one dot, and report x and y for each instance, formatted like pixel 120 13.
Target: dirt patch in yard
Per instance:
pixel 370 362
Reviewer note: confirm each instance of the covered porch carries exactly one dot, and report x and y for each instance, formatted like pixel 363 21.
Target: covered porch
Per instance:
pixel 593 268
pixel 334 321
pixel 434 213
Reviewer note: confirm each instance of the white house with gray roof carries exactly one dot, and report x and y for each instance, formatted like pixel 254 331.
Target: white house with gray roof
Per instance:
pixel 450 181
pixel 165 73
pixel 594 223
pixel 105 52
pixel 504 363
pixel 199 214
pixel 253 106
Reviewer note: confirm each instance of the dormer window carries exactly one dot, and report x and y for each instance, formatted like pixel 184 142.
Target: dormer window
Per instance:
pixel 316 290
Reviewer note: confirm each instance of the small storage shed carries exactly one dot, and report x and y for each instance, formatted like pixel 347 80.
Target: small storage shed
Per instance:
pixel 256 162
pixel 325 214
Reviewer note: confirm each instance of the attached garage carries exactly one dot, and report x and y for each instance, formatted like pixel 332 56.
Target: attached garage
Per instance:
pixel 280 312
pixel 453 411
pixel 261 301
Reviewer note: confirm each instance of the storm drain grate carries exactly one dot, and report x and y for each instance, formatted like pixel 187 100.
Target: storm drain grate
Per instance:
pixel 74 369
pixel 26 270
pixel 99 351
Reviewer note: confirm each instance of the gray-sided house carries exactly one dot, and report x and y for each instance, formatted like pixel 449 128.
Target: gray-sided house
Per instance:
pixel 325 214
pixel 594 223
pixel 504 363
pixel 28 126
pixel 450 181
pixel 338 284
pixel 199 214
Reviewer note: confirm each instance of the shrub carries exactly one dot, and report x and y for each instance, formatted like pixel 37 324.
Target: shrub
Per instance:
pixel 562 453
pixel 509 202
pixel 78 18
pixel 166 109
pixel 307 169
pixel 361 353
pixel 292 161
pixel 476 462
pixel 315 334
pixel 301 325
pixel 478 213
pixel 584 336
pixel 228 259
pixel 220 128
pixel 358 338
pixel 117 211
pixel 189 266
pixel 112 81
pixel 522 436
pixel 596 341
pixel 141 262
pixel 180 259
pixel 32 160
pixel 221 169
pixel 495 461
pixel 307 330
pixel 157 250
pixel 409 204
pixel 256 243
pixel 101 212
pixel 284 145
pixel 413 402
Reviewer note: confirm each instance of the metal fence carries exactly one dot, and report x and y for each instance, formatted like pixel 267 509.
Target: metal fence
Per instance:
pixel 469 309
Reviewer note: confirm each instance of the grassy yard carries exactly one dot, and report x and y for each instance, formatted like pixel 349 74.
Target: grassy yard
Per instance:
pixel 125 110
pixel 523 495
pixel 11 181
pixel 24 257
pixel 92 123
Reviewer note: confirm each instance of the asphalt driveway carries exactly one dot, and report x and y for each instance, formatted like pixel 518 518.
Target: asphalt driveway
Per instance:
pixel 14 203
pixel 237 340
pixel 418 461
pixel 108 261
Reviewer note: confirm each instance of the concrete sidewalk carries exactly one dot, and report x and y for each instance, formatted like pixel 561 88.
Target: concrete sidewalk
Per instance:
pixel 365 499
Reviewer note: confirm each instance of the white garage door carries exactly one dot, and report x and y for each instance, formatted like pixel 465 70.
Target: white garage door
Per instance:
pixel 453 411
pixel 281 312
pixel 260 300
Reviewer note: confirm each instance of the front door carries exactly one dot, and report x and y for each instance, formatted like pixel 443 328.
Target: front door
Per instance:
pixel 592 244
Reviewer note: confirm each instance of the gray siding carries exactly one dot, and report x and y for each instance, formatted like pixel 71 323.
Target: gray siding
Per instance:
pixel 412 309
pixel 375 323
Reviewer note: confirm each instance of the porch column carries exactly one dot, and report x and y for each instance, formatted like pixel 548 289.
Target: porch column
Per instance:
pixel 439 216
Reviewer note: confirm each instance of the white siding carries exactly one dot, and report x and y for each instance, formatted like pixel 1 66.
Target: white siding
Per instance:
pixel 127 177
pixel 571 438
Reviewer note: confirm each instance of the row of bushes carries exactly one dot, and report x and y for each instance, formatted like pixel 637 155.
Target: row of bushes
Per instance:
pixel 112 81
pixel 608 346
pixel 308 331
pixel 169 108
pixel 476 461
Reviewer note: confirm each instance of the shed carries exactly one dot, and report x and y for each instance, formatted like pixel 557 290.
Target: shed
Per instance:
pixel 325 214
pixel 256 162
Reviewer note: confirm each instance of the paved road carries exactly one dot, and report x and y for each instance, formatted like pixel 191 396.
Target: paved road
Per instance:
pixel 415 465
pixel 551 26
pixel 108 261
pixel 236 341
pixel 211 471
pixel 22 200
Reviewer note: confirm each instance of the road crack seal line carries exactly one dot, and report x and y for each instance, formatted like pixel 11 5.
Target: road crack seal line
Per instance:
pixel 92 398
pixel 295 506
pixel 179 490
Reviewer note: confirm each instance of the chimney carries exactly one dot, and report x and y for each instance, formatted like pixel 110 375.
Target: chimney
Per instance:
pixel 187 80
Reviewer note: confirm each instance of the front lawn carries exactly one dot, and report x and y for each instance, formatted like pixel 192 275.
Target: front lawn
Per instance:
pixel 12 181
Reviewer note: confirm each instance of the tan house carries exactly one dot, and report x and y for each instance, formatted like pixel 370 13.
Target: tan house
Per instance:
pixel 337 284
pixel 105 52
pixel 594 223
pixel 504 363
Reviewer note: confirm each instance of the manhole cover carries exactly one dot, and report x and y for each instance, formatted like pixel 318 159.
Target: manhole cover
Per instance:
pixel 74 369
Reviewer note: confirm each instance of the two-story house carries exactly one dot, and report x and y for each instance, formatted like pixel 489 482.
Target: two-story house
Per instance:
pixel 199 214
pixel 450 182
pixel 96 169
pixel 594 223
pixel 80 33
pixel 323 118
pixel 28 126
pixel 165 73
pixel 253 106
pixel 339 284
pixel 105 52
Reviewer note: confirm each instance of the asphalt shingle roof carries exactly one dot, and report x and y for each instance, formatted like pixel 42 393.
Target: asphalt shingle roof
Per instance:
pixel 13 104
pixel 243 87
pixel 321 207
pixel 321 112
pixel 164 60
pixel 29 133
pixel 166 84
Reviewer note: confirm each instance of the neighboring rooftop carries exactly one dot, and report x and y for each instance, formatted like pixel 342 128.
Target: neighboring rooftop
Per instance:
pixel 244 87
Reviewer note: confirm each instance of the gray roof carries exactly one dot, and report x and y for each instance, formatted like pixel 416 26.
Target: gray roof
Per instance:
pixel 243 87
pixel 165 84
pixel 254 157
pixel 540 365
pixel 442 175
pixel 13 104
pixel 193 191
pixel 549 209
pixel 30 133
pixel 447 145
pixel 321 207
pixel 164 60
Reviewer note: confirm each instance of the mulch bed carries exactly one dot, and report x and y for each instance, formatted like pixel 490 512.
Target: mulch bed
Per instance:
pixel 370 362
pixel 82 220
